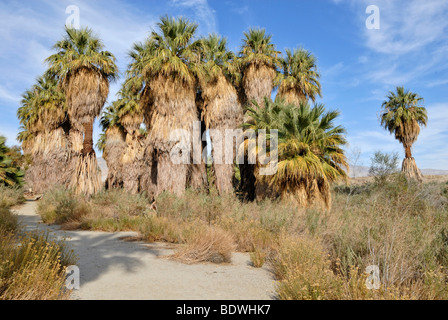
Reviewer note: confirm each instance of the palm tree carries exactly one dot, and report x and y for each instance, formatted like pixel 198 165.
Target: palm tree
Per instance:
pixel 402 115
pixel 166 64
pixel 84 70
pixel 309 150
pixel 300 78
pixel 258 61
pixel 130 116
pixel 10 174
pixel 113 145
pixel 221 109
pixel 43 116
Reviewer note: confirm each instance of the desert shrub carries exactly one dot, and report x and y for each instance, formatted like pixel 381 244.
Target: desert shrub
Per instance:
pixel 382 166
pixel 258 258
pixel 122 202
pixel 400 226
pixel 11 196
pixel 60 205
pixel 35 269
pixel 8 221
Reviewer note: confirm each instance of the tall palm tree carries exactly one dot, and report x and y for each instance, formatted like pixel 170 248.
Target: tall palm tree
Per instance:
pixel 166 64
pixel 139 153
pixel 299 80
pixel 130 116
pixel 309 150
pixel 84 70
pixel 258 60
pixel 113 145
pixel 402 115
pixel 221 109
pixel 43 116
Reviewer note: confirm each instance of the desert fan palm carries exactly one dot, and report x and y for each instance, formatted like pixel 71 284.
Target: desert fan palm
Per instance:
pixel 299 79
pixel 221 108
pixel 402 115
pixel 84 70
pixel 165 65
pixel 258 61
pixel 44 120
pixel 310 154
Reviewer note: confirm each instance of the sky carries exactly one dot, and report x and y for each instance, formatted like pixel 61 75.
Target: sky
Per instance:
pixel 358 65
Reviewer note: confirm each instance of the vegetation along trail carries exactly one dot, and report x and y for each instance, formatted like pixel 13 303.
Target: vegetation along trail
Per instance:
pixel 111 268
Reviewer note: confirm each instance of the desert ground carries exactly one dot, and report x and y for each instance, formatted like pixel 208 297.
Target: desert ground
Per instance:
pixel 112 267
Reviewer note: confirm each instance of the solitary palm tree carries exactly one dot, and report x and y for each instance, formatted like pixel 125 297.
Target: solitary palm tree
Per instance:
pixel 259 60
pixel 310 154
pixel 165 63
pixel 84 70
pixel 299 80
pixel 402 114
pixel 221 109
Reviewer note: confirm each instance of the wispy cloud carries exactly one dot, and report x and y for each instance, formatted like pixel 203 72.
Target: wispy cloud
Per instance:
pixel 408 26
pixel 203 13
pixel 29 31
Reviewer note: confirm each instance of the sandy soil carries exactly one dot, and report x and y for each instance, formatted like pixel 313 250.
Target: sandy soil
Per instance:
pixel 114 269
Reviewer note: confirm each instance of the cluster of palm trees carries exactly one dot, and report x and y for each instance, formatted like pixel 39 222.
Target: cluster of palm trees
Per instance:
pixel 173 81
pixel 58 112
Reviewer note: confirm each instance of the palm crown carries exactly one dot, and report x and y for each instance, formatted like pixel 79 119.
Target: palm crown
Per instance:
pixel 300 75
pixel 309 147
pixel 81 49
pixel 216 60
pixel 258 48
pixel 169 52
pixel 402 115
pixel 43 106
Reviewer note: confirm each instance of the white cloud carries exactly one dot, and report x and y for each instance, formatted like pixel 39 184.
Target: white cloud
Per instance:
pixel 7 96
pixel 408 26
pixel 204 14
pixel 29 30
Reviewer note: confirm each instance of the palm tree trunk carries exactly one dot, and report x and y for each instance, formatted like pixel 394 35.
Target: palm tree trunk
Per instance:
pixel 408 152
pixel 409 166
pixel 88 139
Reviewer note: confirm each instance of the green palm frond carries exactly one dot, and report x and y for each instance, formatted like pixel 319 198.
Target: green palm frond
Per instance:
pixel 310 145
pixel 258 48
pixel 300 74
pixel 81 49
pixel 402 115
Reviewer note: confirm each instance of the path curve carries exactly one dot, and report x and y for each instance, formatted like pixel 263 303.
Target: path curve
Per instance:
pixel 113 269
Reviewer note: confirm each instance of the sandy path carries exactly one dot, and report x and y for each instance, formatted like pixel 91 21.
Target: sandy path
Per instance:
pixel 114 269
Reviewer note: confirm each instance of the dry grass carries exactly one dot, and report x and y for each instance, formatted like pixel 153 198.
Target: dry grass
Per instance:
pixel 401 227
pixel 214 245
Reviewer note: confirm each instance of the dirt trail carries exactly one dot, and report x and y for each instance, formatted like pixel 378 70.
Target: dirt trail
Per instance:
pixel 113 269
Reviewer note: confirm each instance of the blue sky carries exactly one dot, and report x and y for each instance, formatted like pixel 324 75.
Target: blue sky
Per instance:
pixel 358 65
